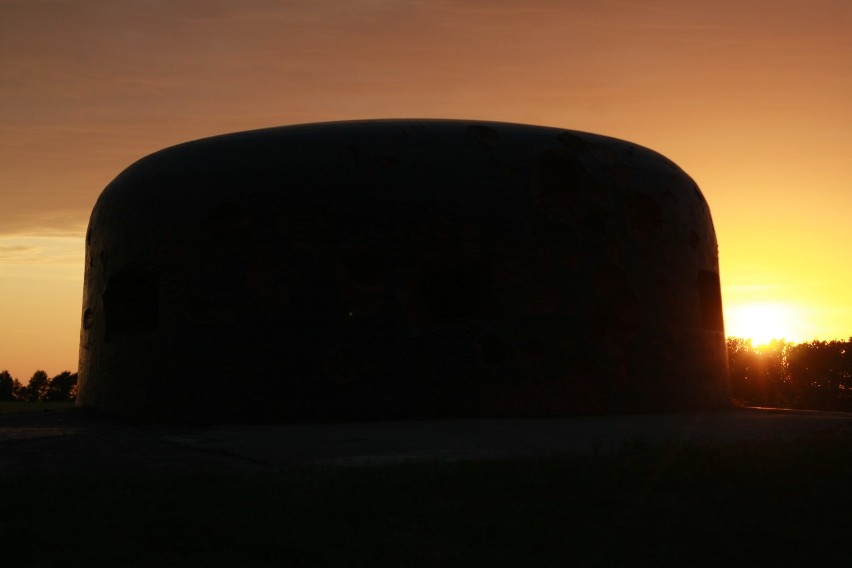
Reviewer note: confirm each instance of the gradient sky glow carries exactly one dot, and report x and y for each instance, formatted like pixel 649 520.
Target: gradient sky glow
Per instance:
pixel 753 99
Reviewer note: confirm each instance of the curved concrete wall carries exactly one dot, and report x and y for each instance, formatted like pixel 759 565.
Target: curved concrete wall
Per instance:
pixel 401 269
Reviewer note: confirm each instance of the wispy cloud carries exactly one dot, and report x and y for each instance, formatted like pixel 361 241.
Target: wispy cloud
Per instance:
pixel 17 251
pixel 40 251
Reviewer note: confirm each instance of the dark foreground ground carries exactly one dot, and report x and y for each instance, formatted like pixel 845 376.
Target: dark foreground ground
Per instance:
pixel 735 488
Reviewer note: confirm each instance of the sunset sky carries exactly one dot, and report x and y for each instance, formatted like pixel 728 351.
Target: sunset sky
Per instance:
pixel 753 99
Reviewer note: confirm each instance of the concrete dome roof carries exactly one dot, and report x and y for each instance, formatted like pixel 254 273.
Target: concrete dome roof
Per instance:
pixel 401 269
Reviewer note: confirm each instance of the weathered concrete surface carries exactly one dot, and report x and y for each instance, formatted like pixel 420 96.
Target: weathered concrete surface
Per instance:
pixel 401 269
pixel 371 443
pixel 78 442
pixel 58 443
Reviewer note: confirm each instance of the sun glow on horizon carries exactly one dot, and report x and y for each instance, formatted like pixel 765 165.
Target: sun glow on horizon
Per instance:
pixel 764 321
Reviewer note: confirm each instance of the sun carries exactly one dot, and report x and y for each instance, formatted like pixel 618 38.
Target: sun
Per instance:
pixel 762 322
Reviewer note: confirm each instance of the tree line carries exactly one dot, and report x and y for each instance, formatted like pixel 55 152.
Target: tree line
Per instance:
pixel 62 387
pixel 816 375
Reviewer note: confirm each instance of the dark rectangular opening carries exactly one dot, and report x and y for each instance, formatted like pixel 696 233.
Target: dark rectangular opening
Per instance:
pixel 710 296
pixel 131 302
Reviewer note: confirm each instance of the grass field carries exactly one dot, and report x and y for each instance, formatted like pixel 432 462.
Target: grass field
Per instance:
pixel 744 504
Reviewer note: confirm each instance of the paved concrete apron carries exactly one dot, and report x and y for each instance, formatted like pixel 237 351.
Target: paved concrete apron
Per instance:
pixel 388 442
pixel 78 442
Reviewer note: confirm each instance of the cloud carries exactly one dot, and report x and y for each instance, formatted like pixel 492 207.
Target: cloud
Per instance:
pixel 24 219
pixel 16 251
pixel 30 250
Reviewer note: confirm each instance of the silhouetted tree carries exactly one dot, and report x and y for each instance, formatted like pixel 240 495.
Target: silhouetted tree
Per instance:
pixel 740 363
pixel 775 376
pixel 37 387
pixel 759 375
pixel 820 372
pixel 19 391
pixel 7 386
pixel 813 375
pixel 62 387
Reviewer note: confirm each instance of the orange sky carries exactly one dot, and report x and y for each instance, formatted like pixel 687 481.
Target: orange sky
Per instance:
pixel 751 98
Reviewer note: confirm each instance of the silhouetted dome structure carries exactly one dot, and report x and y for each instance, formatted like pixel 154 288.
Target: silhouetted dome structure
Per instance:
pixel 387 269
